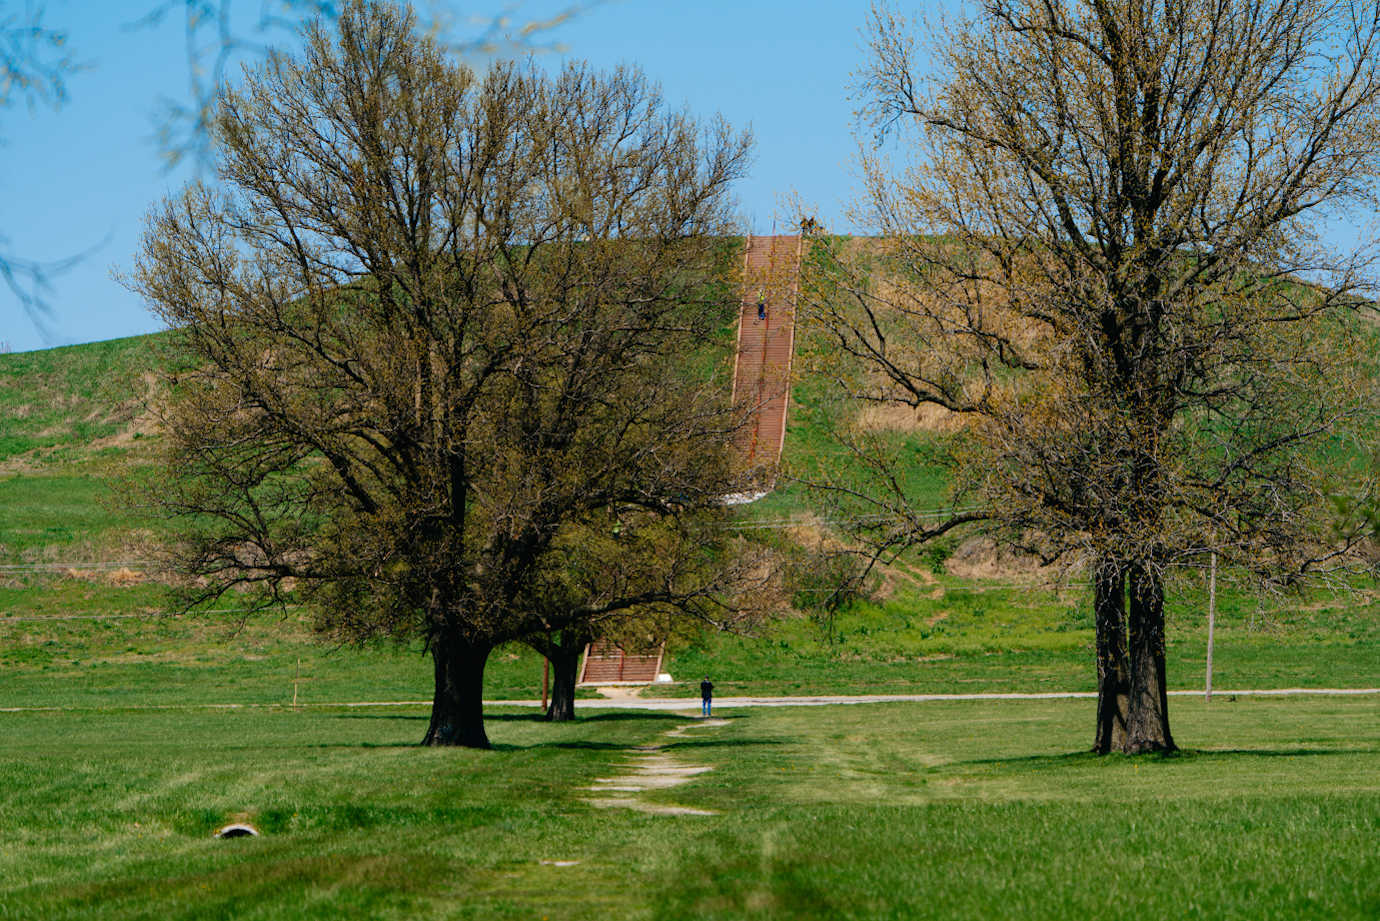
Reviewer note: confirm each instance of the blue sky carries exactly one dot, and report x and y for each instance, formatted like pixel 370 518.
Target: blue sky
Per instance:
pixel 81 178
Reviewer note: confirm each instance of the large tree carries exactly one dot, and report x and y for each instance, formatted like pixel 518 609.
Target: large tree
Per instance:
pixel 1105 255
pixel 630 553
pixel 446 333
pixel 637 630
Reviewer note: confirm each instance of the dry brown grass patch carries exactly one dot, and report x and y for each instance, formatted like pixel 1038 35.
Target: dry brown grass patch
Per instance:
pixel 125 576
pixel 898 417
pixel 985 558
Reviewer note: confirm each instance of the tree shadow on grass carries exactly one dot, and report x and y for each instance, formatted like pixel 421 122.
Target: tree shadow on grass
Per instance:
pixel 586 744
pixel 1061 760
pixel 608 716
pixel 691 744
pixel 566 744
pixel 1224 753
pixel 535 716
pixel 1180 756
pixel 570 745
pixel 636 748
pixel 655 719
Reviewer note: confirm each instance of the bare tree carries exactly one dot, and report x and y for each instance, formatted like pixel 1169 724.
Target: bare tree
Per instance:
pixel 34 58
pixel 218 38
pixel 1104 256
pixel 446 332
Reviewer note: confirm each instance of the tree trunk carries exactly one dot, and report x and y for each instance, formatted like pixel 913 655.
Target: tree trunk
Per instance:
pixel 1147 726
pixel 1113 665
pixel 565 666
pixel 562 649
pixel 457 708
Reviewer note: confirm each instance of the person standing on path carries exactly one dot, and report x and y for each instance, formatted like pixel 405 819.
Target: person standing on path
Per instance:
pixel 706 696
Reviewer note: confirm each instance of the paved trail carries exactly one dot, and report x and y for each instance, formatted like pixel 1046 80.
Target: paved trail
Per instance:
pixel 720 703
pixel 726 703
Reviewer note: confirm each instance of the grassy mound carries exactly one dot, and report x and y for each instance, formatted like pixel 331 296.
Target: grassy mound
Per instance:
pixel 81 622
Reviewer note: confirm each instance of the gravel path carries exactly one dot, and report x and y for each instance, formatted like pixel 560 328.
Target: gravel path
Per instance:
pixel 720 703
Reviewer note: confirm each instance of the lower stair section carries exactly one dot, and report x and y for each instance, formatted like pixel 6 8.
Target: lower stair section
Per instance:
pixel 606 663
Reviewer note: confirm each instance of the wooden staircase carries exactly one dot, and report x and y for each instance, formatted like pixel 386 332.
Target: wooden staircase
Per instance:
pixel 762 375
pixel 606 663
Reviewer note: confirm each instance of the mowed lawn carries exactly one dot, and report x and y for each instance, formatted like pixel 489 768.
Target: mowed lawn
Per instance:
pixel 976 809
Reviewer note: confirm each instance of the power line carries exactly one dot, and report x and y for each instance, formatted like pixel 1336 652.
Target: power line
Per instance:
pixel 63 566
pixel 782 522
pixel 147 615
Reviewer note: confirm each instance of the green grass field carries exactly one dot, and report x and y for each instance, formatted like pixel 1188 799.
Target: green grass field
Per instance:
pixel 948 810
pixel 976 809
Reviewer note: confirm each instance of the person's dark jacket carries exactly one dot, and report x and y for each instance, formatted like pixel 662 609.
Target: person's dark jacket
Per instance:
pixel 706 690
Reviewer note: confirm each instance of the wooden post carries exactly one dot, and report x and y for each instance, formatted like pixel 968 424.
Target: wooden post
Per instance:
pixel 296 679
pixel 545 680
pixel 1212 623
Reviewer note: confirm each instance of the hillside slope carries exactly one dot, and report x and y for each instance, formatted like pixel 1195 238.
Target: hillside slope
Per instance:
pixel 77 603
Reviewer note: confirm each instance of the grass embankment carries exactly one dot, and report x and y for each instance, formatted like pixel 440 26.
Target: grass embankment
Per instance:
pixel 58 404
pixel 69 643
pixel 966 809
pixel 959 636
pixel 78 643
pixel 78 429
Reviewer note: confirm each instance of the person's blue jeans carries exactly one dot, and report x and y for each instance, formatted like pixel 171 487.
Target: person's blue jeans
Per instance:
pixel 705 706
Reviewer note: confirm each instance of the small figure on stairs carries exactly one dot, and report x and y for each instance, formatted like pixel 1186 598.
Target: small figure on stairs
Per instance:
pixel 761 306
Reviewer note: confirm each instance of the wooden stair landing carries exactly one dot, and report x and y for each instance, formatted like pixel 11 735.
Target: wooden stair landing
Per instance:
pixel 606 663
pixel 762 373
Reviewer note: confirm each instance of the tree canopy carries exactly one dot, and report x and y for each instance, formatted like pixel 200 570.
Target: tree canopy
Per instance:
pixel 1103 253
pixel 452 335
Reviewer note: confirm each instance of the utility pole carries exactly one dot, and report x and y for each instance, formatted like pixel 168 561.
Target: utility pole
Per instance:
pixel 1212 623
